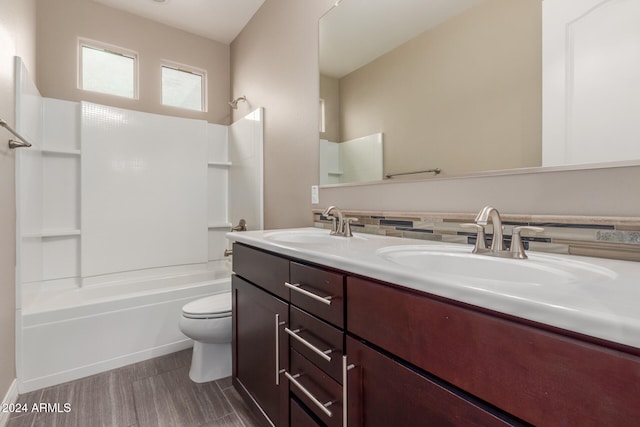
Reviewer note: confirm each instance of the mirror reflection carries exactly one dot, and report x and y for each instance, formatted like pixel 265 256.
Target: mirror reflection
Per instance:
pixel 456 86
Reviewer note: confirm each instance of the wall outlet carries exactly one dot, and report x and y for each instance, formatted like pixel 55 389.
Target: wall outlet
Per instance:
pixel 315 196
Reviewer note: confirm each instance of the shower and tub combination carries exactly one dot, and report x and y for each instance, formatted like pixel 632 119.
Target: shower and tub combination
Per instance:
pixel 121 221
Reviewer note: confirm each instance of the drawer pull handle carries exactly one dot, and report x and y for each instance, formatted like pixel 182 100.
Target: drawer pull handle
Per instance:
pixel 277 340
pixel 296 287
pixel 345 395
pixel 320 405
pixel 307 344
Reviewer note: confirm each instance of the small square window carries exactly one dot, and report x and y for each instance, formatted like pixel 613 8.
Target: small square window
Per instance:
pixel 183 88
pixel 322 117
pixel 107 70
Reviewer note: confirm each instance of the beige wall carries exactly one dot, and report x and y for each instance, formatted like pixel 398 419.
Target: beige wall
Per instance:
pixel 62 22
pixel 274 62
pixel 464 96
pixel 17 37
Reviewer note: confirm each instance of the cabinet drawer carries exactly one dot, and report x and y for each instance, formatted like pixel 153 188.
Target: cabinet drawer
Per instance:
pixel 262 268
pixel 316 390
pixel 300 417
pixel 319 292
pixel 541 377
pixel 316 340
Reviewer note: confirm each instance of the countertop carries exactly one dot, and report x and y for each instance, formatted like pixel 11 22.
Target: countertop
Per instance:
pixel 606 308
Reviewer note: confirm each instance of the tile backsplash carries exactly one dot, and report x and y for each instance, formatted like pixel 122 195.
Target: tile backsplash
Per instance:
pixel 604 237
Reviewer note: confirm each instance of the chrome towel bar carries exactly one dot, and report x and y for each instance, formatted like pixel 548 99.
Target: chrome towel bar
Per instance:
pixel 435 171
pixel 12 142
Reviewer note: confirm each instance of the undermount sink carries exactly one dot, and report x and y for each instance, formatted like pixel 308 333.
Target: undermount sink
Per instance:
pixel 309 236
pixel 458 261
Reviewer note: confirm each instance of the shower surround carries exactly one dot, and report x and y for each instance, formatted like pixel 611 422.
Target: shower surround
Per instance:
pixel 121 220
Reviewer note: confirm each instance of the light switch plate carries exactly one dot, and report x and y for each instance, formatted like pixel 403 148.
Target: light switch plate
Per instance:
pixel 315 197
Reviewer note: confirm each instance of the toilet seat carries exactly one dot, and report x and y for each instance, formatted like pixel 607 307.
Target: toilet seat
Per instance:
pixel 212 307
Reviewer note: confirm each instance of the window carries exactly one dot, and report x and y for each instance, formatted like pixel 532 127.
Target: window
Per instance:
pixel 108 69
pixel 322 116
pixel 183 88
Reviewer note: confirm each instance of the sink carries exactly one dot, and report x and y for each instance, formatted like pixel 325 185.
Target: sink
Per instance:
pixel 458 261
pixel 309 236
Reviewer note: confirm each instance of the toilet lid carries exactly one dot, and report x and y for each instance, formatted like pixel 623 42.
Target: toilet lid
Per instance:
pixel 218 305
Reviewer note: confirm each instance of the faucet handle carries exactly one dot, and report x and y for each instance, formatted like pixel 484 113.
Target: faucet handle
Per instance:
pixel 347 226
pixel 334 223
pixel 517 246
pixel 481 238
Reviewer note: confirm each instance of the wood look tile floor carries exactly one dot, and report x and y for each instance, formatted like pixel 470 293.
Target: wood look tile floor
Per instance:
pixel 153 393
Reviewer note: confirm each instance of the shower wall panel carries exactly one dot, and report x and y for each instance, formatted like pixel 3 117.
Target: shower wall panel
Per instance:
pixel 144 190
pixel 29 179
pixel 246 183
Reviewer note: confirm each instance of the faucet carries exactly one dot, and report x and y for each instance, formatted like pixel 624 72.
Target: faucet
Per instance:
pixel 242 226
pixel 341 225
pixel 497 243
pixel 336 222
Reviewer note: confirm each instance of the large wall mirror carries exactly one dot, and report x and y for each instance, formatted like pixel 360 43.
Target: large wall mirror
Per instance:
pixel 419 89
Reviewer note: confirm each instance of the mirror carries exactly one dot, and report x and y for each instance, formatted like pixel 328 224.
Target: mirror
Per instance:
pixel 455 87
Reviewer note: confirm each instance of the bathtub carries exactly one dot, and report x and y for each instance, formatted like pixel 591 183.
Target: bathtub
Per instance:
pixel 69 332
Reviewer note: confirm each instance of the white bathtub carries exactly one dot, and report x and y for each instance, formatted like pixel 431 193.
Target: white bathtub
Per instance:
pixel 69 332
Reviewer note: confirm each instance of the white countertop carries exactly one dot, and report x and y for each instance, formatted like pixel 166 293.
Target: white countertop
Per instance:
pixel 607 308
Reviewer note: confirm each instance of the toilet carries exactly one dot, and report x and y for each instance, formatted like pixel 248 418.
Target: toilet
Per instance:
pixel 207 321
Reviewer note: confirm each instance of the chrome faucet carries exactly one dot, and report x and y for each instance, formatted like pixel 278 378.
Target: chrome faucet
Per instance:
pixel 497 243
pixel 242 226
pixel 341 225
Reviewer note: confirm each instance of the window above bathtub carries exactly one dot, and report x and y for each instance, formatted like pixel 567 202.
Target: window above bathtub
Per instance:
pixel 184 87
pixel 107 69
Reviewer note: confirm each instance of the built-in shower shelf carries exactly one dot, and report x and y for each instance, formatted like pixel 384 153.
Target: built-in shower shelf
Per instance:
pixel 56 152
pixel 53 233
pixel 219 164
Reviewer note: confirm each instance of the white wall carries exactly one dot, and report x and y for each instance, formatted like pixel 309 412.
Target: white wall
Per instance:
pixel 17 37
pixel 591 90
pixel 143 192
pixel 356 160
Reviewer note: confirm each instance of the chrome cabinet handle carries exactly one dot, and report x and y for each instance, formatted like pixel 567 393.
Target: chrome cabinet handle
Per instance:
pixel 277 340
pixel 296 287
pixel 316 350
pixel 345 396
pixel 320 405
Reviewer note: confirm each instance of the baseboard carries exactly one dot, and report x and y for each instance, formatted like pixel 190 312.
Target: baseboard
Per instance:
pixel 103 366
pixel 10 398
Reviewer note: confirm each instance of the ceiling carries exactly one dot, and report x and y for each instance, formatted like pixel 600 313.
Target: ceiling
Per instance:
pixel 355 32
pixel 219 20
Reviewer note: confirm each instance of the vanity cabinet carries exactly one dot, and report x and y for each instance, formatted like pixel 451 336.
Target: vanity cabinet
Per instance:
pixel 535 375
pixel 288 338
pixel 310 340
pixel 260 345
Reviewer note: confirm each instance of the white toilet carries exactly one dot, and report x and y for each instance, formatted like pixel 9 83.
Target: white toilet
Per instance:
pixel 207 321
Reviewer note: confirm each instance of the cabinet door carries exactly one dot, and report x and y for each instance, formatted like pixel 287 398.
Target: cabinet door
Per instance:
pixel 390 394
pixel 260 349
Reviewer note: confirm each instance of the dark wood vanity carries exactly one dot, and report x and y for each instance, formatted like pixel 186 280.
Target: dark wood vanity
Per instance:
pixel 309 340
